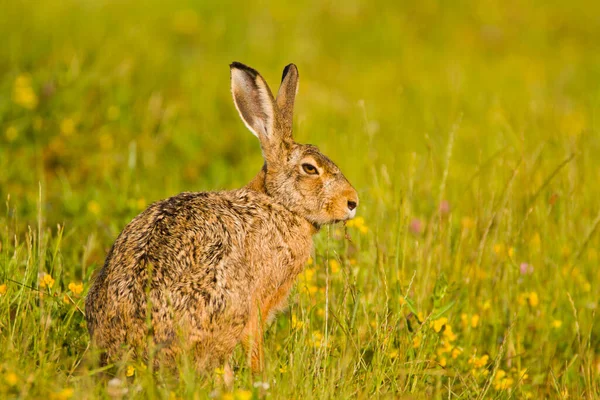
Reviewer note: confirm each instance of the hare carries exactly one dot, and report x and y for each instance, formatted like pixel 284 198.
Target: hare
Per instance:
pixel 199 273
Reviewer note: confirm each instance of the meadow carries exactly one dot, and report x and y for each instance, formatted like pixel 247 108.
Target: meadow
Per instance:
pixel 471 131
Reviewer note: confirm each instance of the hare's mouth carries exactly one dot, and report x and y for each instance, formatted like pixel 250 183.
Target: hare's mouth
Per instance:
pixel 351 214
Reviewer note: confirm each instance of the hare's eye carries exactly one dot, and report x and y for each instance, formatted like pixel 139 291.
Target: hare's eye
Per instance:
pixel 310 169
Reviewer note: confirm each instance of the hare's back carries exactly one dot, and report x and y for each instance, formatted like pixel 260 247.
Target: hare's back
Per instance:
pixel 189 235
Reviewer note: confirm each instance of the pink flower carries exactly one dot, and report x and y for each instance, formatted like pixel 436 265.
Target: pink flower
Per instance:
pixel 526 269
pixel 416 226
pixel 444 208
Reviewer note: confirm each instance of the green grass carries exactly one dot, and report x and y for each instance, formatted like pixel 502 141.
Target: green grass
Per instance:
pixel 470 129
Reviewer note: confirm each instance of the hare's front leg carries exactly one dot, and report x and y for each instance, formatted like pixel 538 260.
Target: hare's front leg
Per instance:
pixel 260 315
pixel 228 376
pixel 253 340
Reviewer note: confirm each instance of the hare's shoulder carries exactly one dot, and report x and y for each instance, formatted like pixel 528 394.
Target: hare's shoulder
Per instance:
pixel 266 212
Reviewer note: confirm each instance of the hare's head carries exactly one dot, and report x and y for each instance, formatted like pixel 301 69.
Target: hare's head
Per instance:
pixel 297 176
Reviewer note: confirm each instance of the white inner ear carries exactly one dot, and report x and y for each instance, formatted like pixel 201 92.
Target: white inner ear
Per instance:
pixel 249 124
pixel 260 115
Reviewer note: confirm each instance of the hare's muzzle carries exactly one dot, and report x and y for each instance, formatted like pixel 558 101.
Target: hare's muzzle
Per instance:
pixel 351 203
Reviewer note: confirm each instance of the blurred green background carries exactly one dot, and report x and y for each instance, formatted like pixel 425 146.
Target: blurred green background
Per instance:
pixel 131 100
pixel 464 125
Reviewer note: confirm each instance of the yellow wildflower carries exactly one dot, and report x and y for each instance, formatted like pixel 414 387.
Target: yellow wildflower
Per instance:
pixel 574 271
pixel 11 378
pixel 306 281
pixel 479 362
pixel 219 371
pixel 335 266
pixel 308 274
pixel 445 347
pixel 3 289
pixel 93 207
pixel 586 287
pixel 130 370
pixel 467 223
pixel 76 288
pixel 141 203
pixel 393 354
pixel 439 323
pixel 352 222
pixel 402 300
pixel 533 299
pixel 11 133
pixel 448 334
pixel 106 141
pixel 309 261
pixel 66 299
pixel 358 222
pixel 456 352
pixel 283 369
pixel 242 394
pixel 523 375
pixel 499 249
pixel 556 324
pixel 502 381
pixel 296 324
pixel 464 320
pixel 480 372
pixel 64 394
pixel 316 339
pixel 474 320
pixel 67 127
pixel 23 93
pixel 417 341
pixel 443 361
pixel 535 242
pixel 46 281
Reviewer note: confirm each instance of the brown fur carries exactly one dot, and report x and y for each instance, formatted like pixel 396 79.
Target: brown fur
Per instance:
pixel 201 272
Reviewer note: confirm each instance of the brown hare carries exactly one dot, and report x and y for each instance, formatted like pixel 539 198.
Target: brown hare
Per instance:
pixel 199 273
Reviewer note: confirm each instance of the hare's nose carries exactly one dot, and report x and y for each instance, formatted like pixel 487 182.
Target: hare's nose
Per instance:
pixel 351 205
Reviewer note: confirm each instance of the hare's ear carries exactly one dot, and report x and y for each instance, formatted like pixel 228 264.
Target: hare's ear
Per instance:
pixel 286 95
pixel 254 101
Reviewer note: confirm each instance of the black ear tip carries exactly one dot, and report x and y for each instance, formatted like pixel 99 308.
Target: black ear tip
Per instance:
pixel 243 67
pixel 237 65
pixel 288 68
